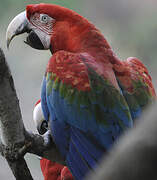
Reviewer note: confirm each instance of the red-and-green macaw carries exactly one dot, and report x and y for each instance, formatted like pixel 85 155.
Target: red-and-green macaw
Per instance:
pixel 88 94
pixel 51 170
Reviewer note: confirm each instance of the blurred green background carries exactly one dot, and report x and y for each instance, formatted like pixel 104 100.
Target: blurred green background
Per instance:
pixel 129 26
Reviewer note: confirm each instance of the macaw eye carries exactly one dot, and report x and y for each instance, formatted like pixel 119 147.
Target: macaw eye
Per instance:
pixel 43 22
pixel 44 18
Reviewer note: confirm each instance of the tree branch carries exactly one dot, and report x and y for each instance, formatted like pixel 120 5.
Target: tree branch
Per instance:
pixel 16 141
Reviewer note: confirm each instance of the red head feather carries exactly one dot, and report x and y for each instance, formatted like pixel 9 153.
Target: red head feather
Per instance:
pixel 57 12
pixel 38 102
pixel 54 171
pixel 71 32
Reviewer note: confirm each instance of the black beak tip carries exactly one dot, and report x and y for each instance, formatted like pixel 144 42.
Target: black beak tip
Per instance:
pixel 43 127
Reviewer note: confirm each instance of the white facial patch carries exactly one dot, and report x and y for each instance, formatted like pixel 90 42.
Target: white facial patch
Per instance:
pixel 42 25
pixel 43 22
pixel 38 116
pixel 44 38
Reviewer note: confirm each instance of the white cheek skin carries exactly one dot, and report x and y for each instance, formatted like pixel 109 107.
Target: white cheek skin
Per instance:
pixel 38 115
pixel 45 38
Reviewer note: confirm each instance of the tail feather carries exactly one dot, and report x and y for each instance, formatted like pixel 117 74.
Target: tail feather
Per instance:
pixel 75 163
pixel 83 154
pixel 87 144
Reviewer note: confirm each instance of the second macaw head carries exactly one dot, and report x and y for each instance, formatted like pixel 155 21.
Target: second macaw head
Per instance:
pixel 52 27
pixel 39 120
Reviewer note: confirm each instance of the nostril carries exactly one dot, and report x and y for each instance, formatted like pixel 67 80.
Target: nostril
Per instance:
pixel 28 30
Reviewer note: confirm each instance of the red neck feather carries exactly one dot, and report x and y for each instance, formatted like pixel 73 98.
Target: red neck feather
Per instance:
pixel 74 33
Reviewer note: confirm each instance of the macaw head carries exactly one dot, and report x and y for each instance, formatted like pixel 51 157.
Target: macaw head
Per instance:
pixel 52 27
pixel 38 117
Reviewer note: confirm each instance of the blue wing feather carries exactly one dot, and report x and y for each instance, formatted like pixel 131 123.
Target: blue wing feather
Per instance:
pixel 81 144
pixel 44 100
pixel 84 132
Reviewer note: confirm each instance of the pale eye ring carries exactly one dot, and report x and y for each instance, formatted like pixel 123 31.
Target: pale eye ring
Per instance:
pixel 44 18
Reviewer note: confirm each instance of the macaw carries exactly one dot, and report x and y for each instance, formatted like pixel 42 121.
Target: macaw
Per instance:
pixel 89 96
pixel 51 170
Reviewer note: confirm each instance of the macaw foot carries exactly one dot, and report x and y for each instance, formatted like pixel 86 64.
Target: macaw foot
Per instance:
pixel 44 146
pixel 52 150
pixel 48 141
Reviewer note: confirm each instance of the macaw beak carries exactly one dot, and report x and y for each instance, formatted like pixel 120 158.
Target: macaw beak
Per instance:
pixel 42 127
pixel 18 25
